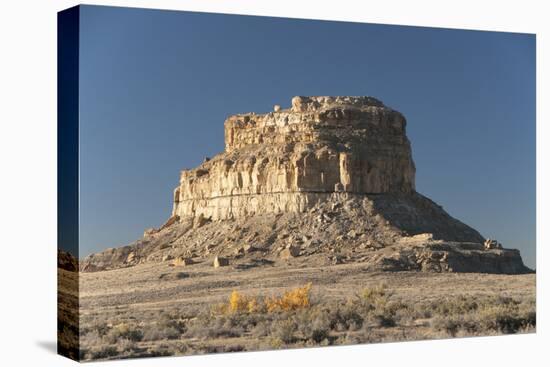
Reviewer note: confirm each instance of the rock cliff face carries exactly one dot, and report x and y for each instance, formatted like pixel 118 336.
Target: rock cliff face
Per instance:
pixel 328 181
pixel 66 261
pixel 289 160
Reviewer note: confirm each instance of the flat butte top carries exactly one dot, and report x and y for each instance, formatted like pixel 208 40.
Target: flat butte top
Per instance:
pixel 311 119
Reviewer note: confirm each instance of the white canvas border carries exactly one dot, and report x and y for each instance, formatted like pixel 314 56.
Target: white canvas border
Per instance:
pixel 28 157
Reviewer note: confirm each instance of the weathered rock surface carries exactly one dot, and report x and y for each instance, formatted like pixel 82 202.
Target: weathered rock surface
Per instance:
pixel 289 160
pixel 182 261
pixel 289 252
pixel 330 180
pixel 220 261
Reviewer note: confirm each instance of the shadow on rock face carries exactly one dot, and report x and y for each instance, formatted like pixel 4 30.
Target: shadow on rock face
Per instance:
pixel 415 214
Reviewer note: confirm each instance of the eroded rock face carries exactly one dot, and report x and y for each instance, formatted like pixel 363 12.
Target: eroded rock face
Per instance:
pixel 327 182
pixel 384 232
pixel 288 160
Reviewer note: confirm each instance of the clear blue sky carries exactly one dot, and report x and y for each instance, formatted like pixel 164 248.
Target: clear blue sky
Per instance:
pixel 156 87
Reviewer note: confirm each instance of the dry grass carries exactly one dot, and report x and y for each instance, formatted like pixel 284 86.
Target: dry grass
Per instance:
pixel 292 320
pixel 137 313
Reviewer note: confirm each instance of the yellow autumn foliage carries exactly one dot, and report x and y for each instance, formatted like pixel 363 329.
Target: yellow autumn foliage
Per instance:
pixel 238 302
pixel 293 299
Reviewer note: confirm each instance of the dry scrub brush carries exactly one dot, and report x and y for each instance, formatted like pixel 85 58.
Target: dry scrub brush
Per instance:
pixel 291 319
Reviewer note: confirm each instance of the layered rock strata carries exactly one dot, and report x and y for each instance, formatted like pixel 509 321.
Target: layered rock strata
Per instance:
pixel 330 180
pixel 289 160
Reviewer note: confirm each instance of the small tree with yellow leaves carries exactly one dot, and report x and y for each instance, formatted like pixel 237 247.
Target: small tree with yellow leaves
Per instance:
pixel 291 300
pixel 238 302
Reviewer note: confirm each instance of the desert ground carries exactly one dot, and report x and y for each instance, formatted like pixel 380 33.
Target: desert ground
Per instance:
pixel 321 237
pixel 154 309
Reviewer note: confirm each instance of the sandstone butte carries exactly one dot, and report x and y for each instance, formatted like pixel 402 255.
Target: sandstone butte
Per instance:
pixel 328 180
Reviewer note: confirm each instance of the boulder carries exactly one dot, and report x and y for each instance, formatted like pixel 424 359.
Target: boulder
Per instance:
pixel 289 252
pixel 491 244
pixel 220 261
pixel 183 261
pixel 131 257
pixel 244 249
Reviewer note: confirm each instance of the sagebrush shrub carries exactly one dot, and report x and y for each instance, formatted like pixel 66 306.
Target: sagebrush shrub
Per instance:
pixel 124 331
pixel 284 330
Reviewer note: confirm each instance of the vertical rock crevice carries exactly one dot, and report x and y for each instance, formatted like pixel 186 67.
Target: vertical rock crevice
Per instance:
pixel 319 145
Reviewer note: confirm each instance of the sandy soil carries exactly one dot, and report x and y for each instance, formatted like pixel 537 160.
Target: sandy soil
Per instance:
pixel 150 286
pixel 142 294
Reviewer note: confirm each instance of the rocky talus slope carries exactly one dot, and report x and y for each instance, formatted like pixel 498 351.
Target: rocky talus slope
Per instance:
pixel 329 180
